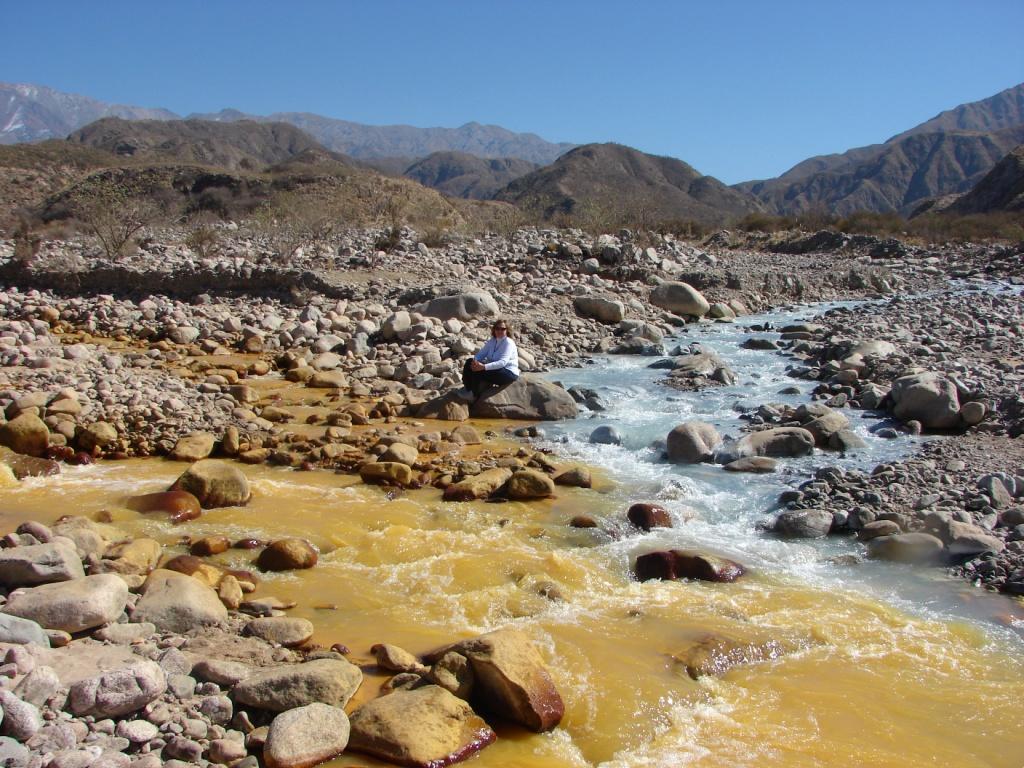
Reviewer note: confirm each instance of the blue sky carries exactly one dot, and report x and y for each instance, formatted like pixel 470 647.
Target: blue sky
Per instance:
pixel 740 89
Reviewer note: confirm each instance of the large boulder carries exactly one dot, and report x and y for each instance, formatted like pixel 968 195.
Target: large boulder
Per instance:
pixel 118 692
pixel 511 678
pixel 692 442
pixel 680 298
pixel 306 736
pixel 781 441
pixel 174 602
pixel 528 484
pixel 930 398
pixel 478 486
pixel 71 606
pixel 424 727
pixel 215 483
pixel 804 523
pixel 601 309
pixel 327 681
pixel 40 564
pixel 462 306
pixel 25 434
pixel 528 397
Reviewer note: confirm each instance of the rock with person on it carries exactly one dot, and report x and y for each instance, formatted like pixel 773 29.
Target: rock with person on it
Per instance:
pixel 692 442
pixel 173 602
pixel 325 681
pixel 930 398
pixel 424 727
pixel 306 736
pixel 510 678
pixel 528 398
pixel 71 606
pixel 215 483
pixel 680 298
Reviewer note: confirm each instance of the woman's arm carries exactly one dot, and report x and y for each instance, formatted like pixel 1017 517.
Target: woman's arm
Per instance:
pixel 509 357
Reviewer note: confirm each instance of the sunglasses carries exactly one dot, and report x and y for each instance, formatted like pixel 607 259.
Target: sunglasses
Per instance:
pixel 501 327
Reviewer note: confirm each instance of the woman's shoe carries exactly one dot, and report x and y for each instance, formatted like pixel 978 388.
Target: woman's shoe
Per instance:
pixel 465 395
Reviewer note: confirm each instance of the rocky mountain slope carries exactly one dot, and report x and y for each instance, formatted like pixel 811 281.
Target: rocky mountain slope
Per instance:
pixel 609 181
pixel 35 112
pixel 1002 189
pixel 459 174
pixel 1004 110
pixel 244 144
pixel 887 177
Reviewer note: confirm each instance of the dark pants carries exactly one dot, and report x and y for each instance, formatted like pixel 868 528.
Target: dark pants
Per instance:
pixel 475 381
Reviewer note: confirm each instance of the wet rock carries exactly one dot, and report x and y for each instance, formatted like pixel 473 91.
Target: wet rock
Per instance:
pixel 118 692
pixel 754 464
pixel 478 486
pixel 679 564
pixel 715 654
pixel 395 659
pixel 180 506
pixel 327 681
pixel 98 435
pixel 306 736
pixel 71 606
pixel 215 483
pixel 647 516
pixel 692 442
pixel 287 555
pixel 906 548
pixel 282 630
pixel 386 473
pixel 40 564
pixel 454 673
pixel 526 484
pixel 528 397
pixel 28 466
pixel 876 528
pixel 511 678
pixel 845 440
pixel 173 602
pixel 578 477
pixel 606 435
pixel 804 523
pixel 424 727
pixel 401 453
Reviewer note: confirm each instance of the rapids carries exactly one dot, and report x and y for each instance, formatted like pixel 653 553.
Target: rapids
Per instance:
pixel 872 664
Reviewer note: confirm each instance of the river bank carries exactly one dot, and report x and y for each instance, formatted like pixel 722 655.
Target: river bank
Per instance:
pixel 307 382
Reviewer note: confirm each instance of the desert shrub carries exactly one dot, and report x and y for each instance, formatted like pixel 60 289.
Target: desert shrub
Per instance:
pixel 816 218
pixel 389 240
pixel 939 227
pixel 203 240
pixel 871 223
pixel 764 222
pixel 688 228
pixel 27 239
pixel 113 216
pixel 292 220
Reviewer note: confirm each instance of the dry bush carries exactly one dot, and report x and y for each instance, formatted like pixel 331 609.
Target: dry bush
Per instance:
pixel 944 227
pixel 113 216
pixel 764 222
pixel 204 241
pixel 871 223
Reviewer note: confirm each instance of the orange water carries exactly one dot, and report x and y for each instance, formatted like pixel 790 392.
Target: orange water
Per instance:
pixel 860 683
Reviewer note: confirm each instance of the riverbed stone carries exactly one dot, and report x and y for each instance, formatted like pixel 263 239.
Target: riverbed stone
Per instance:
pixel 930 398
pixel 646 516
pixel 71 606
pixel 193 447
pixel 215 483
pixel 14 629
pixel 118 692
pixel 478 486
pixel 26 434
pixel 692 442
pixel 526 484
pixel 906 548
pixel 173 602
pixel 753 464
pixel 40 564
pixel 21 720
pixel 401 453
pixel 287 554
pixel 686 564
pixel 306 736
pixel 680 298
pixel 179 506
pixel 510 678
pixel 427 726
pixel 578 477
pixel 282 630
pixel 461 306
pixel 386 473
pixel 328 681
pixel 602 309
pixel 780 441
pixel 804 523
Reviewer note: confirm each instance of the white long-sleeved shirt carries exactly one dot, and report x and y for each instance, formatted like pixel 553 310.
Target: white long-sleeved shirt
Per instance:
pixel 499 353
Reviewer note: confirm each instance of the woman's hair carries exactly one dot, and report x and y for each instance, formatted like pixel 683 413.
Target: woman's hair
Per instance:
pixel 506 323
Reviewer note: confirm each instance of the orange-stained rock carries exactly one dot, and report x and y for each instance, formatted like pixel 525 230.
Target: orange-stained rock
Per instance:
pixel 179 505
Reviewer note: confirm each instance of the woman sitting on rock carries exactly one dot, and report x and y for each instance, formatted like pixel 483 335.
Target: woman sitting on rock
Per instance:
pixel 497 363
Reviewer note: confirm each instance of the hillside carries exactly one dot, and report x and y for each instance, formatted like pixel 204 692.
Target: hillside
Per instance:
pixel 244 144
pixel 458 174
pixel 607 182
pixel 36 113
pixel 1004 110
pixel 1002 189
pixel 370 141
pixel 887 177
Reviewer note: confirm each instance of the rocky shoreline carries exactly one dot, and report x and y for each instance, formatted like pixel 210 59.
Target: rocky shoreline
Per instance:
pixel 343 362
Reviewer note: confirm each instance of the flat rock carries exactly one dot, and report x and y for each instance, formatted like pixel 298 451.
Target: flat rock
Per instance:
pixel 193 447
pixel 327 681
pixel 173 602
pixel 179 506
pixel 282 630
pixel 40 564
pixel 118 692
pixel 386 473
pixel 71 606
pixel 755 464
pixel 425 727
pixel 478 486
pixel 306 736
